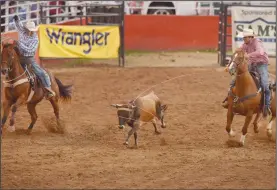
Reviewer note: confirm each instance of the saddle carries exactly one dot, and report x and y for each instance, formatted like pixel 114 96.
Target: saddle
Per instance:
pixel 32 78
pixel 257 78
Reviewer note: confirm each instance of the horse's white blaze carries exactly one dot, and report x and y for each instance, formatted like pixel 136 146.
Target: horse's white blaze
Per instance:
pixel 232 133
pixel 242 139
pixel 11 128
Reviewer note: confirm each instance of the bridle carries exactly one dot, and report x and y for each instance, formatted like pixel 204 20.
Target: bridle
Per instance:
pixel 238 63
pixel 9 64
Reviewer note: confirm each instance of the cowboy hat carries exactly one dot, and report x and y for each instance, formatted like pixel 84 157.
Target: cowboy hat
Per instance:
pixel 246 33
pixel 31 26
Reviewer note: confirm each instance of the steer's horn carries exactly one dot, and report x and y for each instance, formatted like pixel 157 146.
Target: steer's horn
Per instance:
pixel 114 105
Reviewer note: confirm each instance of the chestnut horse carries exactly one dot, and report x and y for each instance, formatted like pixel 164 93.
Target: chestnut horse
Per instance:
pixel 18 90
pixel 246 99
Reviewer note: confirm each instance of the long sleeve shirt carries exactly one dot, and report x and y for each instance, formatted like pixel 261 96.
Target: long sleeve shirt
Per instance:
pixel 256 52
pixel 27 45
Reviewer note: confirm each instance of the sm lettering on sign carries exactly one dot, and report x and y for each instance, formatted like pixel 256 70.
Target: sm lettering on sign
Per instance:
pixel 79 41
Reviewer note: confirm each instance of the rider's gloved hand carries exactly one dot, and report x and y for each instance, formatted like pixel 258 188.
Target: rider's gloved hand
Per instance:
pixel 238 50
pixel 16 18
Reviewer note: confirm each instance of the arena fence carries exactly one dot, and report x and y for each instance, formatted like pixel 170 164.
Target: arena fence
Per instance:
pixel 97 22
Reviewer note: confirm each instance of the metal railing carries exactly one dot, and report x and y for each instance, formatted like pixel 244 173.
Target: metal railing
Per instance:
pixel 29 10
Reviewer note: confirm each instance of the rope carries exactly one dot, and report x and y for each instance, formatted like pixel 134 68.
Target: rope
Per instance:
pixel 151 87
pixel 159 84
pixel 8 81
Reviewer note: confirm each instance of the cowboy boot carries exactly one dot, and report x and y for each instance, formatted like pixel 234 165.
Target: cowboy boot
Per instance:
pixel 267 111
pixel 50 93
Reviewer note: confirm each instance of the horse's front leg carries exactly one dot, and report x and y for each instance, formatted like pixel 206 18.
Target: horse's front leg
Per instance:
pixel 247 121
pixel 230 117
pixel 6 111
pixel 15 106
pixel 255 122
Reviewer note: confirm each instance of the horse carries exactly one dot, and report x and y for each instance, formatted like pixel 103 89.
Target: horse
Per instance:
pixel 246 98
pixel 140 111
pixel 22 87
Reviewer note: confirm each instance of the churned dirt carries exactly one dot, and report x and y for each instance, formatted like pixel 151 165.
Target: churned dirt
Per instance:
pixel 192 152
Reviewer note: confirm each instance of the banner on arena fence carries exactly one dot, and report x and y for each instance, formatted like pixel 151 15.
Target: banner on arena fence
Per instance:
pixel 79 41
pixel 261 19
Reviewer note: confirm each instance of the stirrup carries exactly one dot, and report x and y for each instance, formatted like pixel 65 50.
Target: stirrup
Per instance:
pixel 49 95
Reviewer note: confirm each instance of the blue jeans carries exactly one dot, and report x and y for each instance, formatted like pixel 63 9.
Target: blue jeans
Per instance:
pixel 262 69
pixel 40 73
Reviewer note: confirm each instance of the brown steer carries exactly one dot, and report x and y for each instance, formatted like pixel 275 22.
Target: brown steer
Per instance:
pixel 139 112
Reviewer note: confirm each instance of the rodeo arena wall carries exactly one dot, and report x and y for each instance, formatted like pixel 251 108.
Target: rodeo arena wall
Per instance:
pixel 182 30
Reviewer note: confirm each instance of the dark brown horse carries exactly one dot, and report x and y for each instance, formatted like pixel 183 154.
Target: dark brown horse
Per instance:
pixel 18 91
pixel 246 99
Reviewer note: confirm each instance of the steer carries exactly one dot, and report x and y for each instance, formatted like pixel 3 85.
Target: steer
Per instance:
pixel 139 112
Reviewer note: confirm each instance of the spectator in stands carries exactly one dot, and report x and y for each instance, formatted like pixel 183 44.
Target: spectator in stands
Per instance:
pixel 73 9
pixel 12 10
pixel 34 7
pixel 53 11
pixel 3 13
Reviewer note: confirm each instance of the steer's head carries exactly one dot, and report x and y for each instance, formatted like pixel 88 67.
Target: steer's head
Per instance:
pixel 125 113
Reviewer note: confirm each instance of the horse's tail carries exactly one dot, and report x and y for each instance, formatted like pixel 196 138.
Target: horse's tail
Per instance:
pixel 65 91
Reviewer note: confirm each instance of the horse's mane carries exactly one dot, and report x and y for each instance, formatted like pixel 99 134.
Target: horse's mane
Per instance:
pixel 15 49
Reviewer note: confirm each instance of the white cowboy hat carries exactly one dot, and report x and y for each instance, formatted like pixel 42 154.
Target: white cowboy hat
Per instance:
pixel 246 33
pixel 31 26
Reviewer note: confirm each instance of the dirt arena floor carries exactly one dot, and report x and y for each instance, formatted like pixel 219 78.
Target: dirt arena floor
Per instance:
pixel 190 153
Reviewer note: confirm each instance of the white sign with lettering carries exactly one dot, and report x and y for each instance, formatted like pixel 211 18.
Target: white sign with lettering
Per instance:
pixel 261 19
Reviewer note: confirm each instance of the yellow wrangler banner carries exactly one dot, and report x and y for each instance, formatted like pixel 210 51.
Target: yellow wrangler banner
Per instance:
pixel 79 41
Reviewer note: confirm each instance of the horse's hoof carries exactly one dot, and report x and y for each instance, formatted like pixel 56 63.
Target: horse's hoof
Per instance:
pixel 241 144
pixel 125 143
pixel 121 126
pixel 256 130
pixel 242 140
pixel 11 128
pixel 269 134
pixel 231 133
pixel 28 132
pixel 158 132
